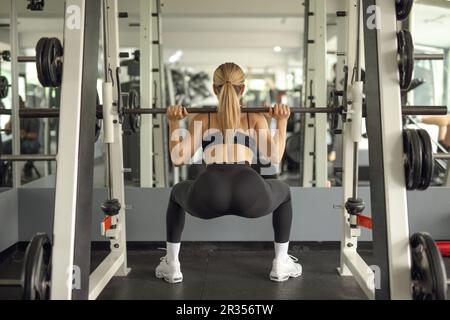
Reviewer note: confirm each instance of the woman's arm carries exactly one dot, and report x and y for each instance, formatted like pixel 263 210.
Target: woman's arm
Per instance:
pixel 273 146
pixel 183 147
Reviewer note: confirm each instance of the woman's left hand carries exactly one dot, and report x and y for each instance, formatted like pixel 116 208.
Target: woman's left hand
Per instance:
pixel 280 112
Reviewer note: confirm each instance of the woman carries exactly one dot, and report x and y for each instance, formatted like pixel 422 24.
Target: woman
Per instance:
pixel 443 122
pixel 230 140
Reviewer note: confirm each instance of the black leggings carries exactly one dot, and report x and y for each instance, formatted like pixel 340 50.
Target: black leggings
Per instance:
pixel 230 189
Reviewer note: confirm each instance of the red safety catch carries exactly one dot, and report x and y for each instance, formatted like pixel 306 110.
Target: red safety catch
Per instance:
pixel 364 221
pixel 444 248
pixel 106 224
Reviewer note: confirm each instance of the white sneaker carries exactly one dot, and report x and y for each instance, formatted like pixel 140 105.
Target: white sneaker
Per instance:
pixel 169 271
pixel 282 269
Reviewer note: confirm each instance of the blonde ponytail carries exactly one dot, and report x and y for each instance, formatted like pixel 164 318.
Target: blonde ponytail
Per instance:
pixel 229 108
pixel 228 81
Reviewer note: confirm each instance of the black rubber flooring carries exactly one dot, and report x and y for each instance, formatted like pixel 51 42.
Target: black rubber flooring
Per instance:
pixel 212 271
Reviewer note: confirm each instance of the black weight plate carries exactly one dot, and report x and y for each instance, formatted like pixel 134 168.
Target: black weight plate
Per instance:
pixel 134 120
pixel 4 87
pixel 333 102
pixel 52 54
pixel 98 122
pixel 36 268
pixel 6 55
pixel 403 8
pixel 57 65
pixel 406 58
pixel 428 269
pixel 427 160
pixel 407 150
pixel 416 144
pixel 40 48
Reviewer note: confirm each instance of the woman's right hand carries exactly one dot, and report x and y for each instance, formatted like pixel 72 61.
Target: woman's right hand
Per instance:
pixel 280 112
pixel 176 113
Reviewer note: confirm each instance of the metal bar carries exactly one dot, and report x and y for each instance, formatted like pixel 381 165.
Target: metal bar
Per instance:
pixel 348 241
pixel 115 159
pixel 212 110
pixel 423 56
pixel 443 156
pixel 107 269
pixel 10 283
pixel 360 271
pixel 15 120
pixel 28 157
pixel 425 110
pixel 164 180
pixel 146 90
pixel 308 122
pixel 24 59
pixel 54 113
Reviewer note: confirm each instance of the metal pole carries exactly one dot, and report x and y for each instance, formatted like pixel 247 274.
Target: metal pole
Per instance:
pixel 28 157
pixel 15 120
pixel 146 90
pixel 320 94
pixel 162 95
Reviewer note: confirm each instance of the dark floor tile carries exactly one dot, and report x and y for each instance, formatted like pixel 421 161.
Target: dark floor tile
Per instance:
pixel 141 282
pixel 246 276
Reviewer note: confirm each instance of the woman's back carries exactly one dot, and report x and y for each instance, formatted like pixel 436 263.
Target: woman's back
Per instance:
pixel 232 146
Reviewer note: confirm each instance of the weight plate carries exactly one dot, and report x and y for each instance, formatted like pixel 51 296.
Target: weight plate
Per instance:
pixel 6 55
pixel 134 120
pixel 333 118
pixel 403 8
pixel 428 270
pixel 407 150
pixel 406 58
pixel 36 268
pixel 427 160
pixel 416 145
pixel 4 87
pixel 98 122
pixel 40 48
pixel 53 54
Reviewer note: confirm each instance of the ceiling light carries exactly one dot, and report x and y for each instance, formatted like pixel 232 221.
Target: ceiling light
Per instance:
pixel 277 48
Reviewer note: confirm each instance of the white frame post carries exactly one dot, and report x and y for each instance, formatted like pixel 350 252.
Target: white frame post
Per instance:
pixel 146 90
pixel 387 179
pixel 320 94
pixel 115 264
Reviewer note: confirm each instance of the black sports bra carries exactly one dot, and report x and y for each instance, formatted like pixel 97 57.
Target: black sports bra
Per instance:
pixel 239 138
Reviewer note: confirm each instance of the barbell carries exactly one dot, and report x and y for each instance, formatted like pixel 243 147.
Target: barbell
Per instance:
pixel 54 113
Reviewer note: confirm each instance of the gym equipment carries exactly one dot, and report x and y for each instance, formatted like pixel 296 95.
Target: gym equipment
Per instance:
pixel 35 5
pixel 403 8
pixel 427 160
pixel 98 122
pixel 54 113
pixel 6 55
pixel 444 248
pixel 428 270
pixel 419 159
pixel 35 279
pixel 333 102
pixel 134 120
pixel 36 269
pixel 28 157
pixel 49 59
pixel 405 52
pixel 4 87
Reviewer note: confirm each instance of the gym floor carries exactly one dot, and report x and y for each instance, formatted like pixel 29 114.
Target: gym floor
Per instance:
pixel 214 271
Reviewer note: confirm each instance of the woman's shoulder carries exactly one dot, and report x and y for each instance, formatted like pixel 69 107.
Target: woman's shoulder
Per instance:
pixel 256 118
